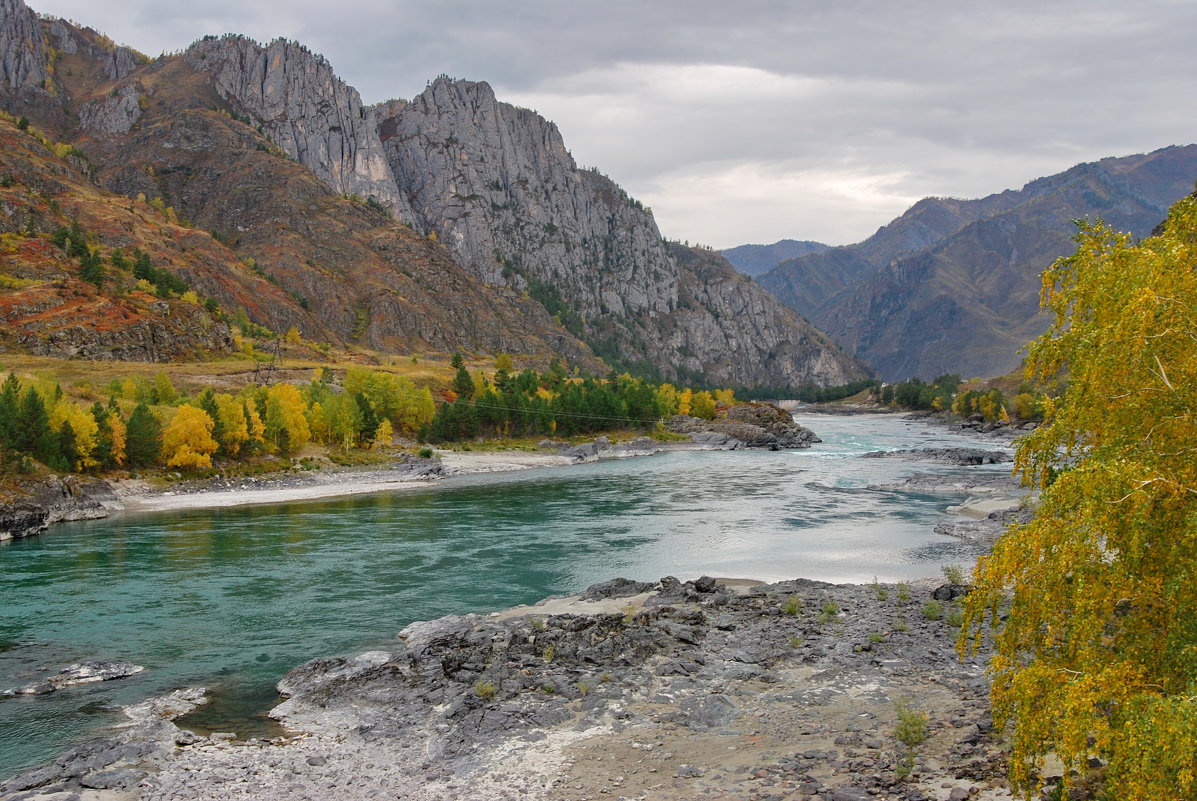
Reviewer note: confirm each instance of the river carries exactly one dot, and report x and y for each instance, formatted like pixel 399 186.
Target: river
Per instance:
pixel 231 598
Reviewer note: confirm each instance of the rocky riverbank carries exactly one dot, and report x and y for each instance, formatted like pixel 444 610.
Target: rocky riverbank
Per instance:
pixel 668 690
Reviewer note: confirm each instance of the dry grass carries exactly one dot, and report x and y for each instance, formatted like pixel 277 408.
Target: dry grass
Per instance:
pixel 223 374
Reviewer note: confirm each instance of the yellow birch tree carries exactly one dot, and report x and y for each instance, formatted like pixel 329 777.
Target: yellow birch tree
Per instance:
pixel 1098 654
pixel 187 441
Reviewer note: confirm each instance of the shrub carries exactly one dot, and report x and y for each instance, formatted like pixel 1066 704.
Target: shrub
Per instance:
pixel 932 609
pixel 485 690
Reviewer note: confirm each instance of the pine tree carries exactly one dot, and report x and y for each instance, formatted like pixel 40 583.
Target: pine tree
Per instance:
pixel 463 385
pixel 143 437
pixel 10 401
pixel 207 402
pixel 92 268
pixel 32 423
pixel 66 446
pixel 368 420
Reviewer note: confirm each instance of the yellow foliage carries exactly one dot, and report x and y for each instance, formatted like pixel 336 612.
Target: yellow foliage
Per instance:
pixel 725 396
pixel 292 335
pixel 84 426
pixel 702 404
pixel 1097 655
pixel 234 426
pixel 286 424
pixel 189 297
pixel 667 399
pixel 683 401
pixel 118 438
pixel 384 436
pixel 187 441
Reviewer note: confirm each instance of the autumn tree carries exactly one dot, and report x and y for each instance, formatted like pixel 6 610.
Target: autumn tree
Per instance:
pixel 76 446
pixel 164 391
pixel 286 423
pixel 702 404
pixel 384 436
pixel 232 427
pixel 1093 604
pixel 187 440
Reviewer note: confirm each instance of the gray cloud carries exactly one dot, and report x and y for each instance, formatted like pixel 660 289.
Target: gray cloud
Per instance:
pixel 758 120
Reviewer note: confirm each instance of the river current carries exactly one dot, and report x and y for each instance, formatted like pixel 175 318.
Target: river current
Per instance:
pixel 231 598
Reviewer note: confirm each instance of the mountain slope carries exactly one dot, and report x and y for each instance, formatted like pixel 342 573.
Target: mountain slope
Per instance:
pixel 952 285
pixel 454 221
pixel 295 253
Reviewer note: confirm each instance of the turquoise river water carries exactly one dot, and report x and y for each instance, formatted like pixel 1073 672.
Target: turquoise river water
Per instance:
pixel 231 598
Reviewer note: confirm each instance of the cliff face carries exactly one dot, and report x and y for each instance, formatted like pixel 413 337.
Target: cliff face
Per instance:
pixel 23 63
pixel 497 184
pixel 305 109
pixel 738 332
pixel 952 285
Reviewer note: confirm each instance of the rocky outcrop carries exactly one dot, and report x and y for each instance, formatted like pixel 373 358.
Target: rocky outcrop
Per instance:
pixel 710 688
pixel 115 113
pixel 305 109
pixel 756 425
pixel 46 321
pixel 498 187
pixel 23 63
pixel 953 456
pixel 31 508
pixel 79 673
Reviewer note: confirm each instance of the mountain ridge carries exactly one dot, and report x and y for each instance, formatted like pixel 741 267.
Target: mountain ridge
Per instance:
pixel 953 285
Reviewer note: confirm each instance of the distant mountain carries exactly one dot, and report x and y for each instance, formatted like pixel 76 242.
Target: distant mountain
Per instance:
pixel 453 221
pixel 756 260
pixel 953 285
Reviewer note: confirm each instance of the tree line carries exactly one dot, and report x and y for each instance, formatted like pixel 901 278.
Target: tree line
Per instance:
pixel 168 429
pixel 149 423
pixel 532 403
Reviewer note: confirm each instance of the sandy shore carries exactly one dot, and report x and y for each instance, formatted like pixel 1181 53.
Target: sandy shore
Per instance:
pixel 138 496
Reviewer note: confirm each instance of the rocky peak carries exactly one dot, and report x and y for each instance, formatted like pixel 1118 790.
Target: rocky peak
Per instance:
pixel 497 185
pixel 23 62
pixel 305 109
pixel 116 62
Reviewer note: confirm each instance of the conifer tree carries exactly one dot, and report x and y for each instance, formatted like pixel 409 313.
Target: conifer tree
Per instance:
pixel 10 401
pixel 143 437
pixel 33 426
pixel 463 384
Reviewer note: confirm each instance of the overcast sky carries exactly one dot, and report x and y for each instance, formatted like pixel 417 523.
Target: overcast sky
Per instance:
pixel 745 121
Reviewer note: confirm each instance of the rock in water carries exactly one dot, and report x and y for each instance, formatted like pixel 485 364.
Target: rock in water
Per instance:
pixel 79 673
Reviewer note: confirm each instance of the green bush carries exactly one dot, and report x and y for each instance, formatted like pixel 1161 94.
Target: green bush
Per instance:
pixel 932 609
